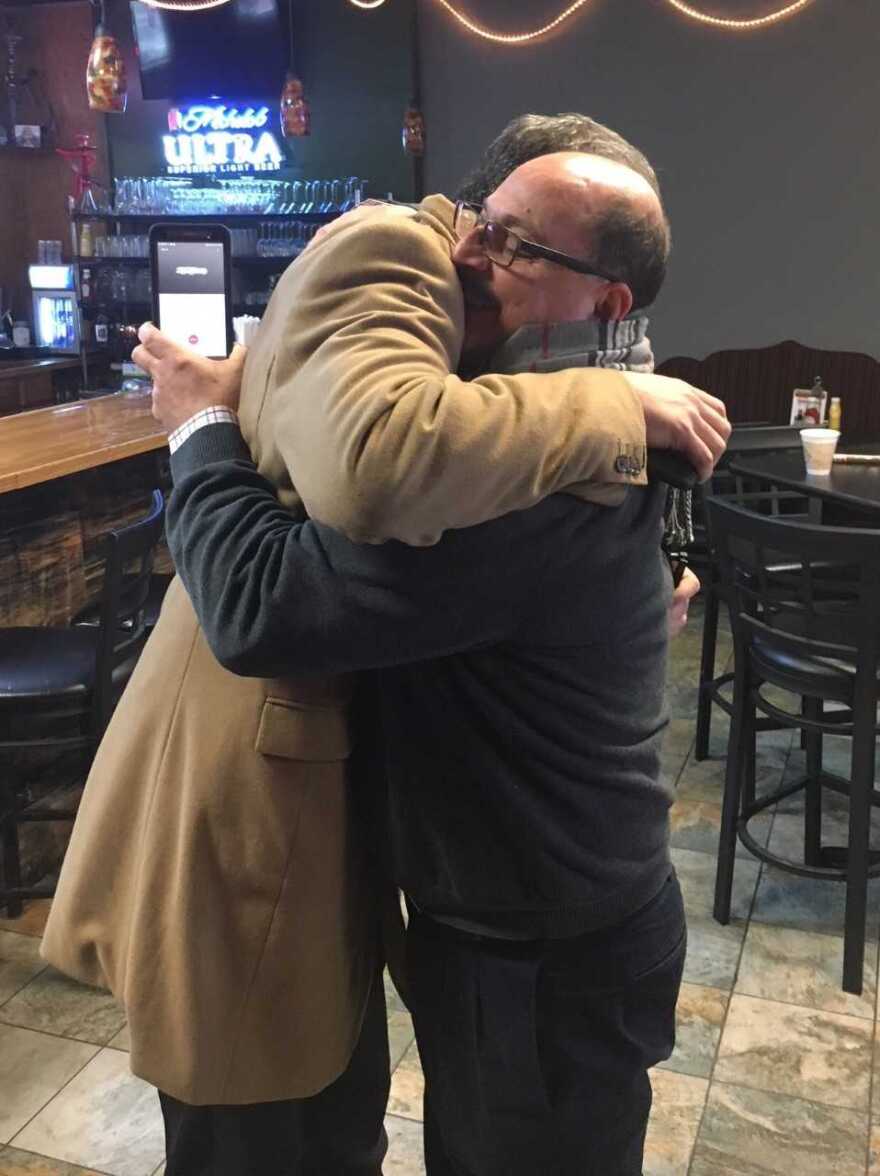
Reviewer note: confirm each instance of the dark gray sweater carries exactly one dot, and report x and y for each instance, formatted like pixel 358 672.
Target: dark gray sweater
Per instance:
pixel 521 681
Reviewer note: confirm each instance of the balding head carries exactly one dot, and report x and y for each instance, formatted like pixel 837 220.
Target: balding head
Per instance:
pixel 600 214
pixel 607 213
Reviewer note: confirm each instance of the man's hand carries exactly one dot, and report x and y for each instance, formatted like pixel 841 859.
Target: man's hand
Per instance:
pixel 682 418
pixel 184 383
pixel 688 587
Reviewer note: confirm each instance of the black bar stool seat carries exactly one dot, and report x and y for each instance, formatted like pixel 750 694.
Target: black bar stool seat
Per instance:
pixel 52 664
pixel 58 689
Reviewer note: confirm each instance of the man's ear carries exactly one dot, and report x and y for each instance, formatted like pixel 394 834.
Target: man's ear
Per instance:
pixel 615 302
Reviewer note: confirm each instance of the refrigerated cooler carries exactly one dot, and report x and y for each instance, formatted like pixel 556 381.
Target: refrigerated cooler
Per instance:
pixel 57 325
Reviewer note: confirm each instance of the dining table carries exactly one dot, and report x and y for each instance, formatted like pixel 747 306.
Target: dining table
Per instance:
pixel 854 487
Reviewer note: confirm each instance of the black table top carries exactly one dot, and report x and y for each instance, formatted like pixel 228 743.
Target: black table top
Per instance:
pixel 851 485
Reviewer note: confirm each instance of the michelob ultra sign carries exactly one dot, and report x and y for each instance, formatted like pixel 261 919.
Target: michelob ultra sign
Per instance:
pixel 207 139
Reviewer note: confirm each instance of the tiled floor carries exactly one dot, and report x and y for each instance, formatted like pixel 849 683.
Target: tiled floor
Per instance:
pixel 773 1073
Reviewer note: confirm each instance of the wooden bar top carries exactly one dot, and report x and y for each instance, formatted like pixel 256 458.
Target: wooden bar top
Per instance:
pixel 50 442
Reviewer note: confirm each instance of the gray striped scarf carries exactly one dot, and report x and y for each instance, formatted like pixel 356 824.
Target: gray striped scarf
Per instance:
pixel 622 345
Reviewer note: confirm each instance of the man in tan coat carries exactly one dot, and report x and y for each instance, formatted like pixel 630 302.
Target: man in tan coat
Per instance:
pixel 215 881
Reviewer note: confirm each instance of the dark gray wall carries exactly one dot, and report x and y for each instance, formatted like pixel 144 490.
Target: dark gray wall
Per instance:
pixel 767 145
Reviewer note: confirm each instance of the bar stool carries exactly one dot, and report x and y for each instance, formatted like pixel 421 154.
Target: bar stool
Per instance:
pixel 159 581
pixel 805 617
pixel 723 484
pixel 58 687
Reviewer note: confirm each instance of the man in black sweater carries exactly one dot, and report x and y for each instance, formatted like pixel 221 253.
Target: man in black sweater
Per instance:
pixel 521 706
pixel 519 673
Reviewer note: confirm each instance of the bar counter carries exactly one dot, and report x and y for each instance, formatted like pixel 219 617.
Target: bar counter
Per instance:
pixel 68 475
pixel 29 382
pixel 51 442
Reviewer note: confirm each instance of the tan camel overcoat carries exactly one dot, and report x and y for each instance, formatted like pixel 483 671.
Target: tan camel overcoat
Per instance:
pixel 214 880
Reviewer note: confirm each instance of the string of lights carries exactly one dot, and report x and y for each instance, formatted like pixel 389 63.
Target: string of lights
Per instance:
pixel 183 6
pixel 681 5
pixel 755 23
pixel 512 38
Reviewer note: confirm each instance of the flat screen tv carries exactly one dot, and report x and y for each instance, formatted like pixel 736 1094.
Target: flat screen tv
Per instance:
pixel 236 51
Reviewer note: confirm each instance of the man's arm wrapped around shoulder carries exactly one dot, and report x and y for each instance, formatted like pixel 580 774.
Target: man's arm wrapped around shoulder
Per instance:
pixel 383 442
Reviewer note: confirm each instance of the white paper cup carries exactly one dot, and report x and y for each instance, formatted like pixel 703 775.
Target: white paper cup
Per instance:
pixel 819 446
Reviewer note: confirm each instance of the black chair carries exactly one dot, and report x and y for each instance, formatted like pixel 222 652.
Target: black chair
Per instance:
pixel 58 687
pixel 806 618
pixel 159 581
pixel 769 499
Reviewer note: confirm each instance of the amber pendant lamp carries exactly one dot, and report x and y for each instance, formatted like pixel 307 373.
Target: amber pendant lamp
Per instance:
pixel 106 83
pixel 296 117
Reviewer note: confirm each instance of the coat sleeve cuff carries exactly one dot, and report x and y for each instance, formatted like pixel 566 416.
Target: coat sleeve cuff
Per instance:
pixel 209 444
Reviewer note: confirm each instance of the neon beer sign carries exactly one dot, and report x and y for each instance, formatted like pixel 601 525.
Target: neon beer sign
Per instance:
pixel 206 140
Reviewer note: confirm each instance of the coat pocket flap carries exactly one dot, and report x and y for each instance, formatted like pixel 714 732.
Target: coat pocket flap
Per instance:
pixel 318 734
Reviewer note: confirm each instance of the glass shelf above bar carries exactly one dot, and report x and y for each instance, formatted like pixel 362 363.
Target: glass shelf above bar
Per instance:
pixel 269 263
pixel 156 217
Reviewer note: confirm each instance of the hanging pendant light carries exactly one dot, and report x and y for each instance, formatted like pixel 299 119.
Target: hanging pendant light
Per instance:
pixel 296 117
pixel 413 130
pixel 413 136
pixel 106 83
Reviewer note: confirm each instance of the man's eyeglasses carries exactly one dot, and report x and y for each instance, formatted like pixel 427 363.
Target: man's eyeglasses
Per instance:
pixel 502 246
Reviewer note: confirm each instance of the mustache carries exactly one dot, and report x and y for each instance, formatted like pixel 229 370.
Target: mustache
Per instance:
pixel 476 290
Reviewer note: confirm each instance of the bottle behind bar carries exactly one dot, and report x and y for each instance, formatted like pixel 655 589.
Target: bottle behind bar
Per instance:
pixel 102 329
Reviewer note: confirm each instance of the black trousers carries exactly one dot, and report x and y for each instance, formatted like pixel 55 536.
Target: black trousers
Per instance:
pixel 536 1054
pixel 338 1132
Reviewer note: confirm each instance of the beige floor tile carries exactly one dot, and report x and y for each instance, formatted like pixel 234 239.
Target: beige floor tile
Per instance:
pixel 407 1086
pixel 874 1151
pixel 405 1149
pixel 56 1004
pixel 33 1068
pixel 752 1132
pixel 14 1162
pixel 19 962
pixel 675 1118
pixel 121 1040
pixel 803 968
pixel 875 1086
pixel 698 1018
pixel 823 1057
pixel 705 780
pixel 695 824
pixel 713 951
pixel 160 1171
pixel 809 904
pixel 105 1118
pixel 32 920
pixel 401 1035
pixel 393 1000
pixel 696 875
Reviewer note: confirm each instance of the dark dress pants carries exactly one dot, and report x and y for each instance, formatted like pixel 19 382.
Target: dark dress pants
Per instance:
pixel 338 1132
pixel 536 1053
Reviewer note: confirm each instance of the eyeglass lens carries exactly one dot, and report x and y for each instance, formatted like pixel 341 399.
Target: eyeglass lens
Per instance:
pixel 498 243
